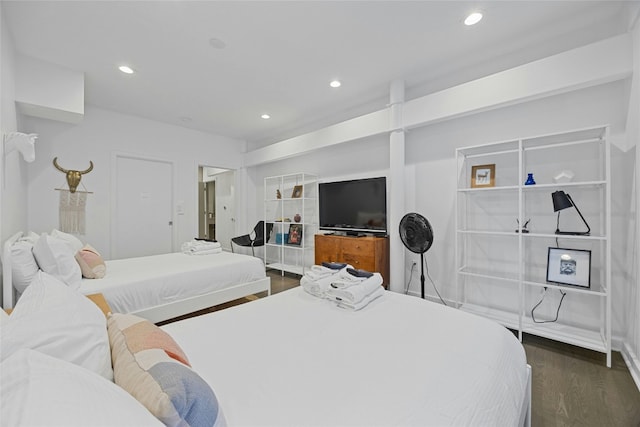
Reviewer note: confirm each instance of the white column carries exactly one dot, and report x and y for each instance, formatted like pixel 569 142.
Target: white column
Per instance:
pixel 396 186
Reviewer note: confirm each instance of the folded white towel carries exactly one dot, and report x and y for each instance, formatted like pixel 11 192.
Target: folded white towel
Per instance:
pixel 317 275
pixel 318 285
pixel 200 246
pixel 204 252
pixel 315 288
pixel 356 293
pixel 318 272
pixel 345 279
pixel 365 302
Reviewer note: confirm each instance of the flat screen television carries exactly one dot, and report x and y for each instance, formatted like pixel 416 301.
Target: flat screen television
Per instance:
pixel 355 206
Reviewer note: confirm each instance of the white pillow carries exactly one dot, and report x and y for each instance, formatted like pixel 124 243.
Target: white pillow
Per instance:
pixel 54 319
pixel 55 256
pixel 41 390
pixel 72 240
pixel 30 237
pixel 23 264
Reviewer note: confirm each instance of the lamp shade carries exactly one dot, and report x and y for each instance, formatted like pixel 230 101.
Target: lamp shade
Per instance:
pixel 560 201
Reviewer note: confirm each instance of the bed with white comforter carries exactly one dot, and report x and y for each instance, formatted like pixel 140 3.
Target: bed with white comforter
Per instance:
pixel 158 287
pixel 296 360
pixel 133 285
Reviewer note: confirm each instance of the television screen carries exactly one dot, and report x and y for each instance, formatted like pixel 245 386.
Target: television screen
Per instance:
pixel 356 206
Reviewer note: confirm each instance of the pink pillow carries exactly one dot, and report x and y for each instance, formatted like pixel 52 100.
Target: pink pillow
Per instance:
pixel 91 263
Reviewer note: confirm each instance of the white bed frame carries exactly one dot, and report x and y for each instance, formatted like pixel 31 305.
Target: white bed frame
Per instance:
pixel 157 313
pixel 525 410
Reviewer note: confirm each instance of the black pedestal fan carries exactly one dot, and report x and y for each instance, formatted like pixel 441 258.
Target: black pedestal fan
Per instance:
pixel 417 235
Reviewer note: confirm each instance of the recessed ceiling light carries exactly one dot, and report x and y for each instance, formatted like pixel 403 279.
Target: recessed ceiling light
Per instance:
pixel 335 83
pixel 473 18
pixel 125 69
pixel 185 119
pixel 217 43
pixel 265 116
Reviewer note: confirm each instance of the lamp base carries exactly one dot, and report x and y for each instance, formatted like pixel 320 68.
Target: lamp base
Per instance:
pixel 573 233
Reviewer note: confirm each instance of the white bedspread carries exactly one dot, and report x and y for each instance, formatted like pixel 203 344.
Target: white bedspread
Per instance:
pixel 133 284
pixel 292 359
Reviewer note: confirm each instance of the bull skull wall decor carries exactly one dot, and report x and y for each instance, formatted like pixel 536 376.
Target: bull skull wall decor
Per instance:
pixel 73 177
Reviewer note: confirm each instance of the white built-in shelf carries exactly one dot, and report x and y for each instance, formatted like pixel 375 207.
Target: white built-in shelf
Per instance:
pixel 279 254
pixel 484 282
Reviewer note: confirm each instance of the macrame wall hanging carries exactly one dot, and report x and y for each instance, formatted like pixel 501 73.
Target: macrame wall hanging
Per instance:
pixel 73 203
pixel 72 211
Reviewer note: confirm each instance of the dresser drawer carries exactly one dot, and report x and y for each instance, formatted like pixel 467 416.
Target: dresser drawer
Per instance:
pixel 356 246
pixel 363 253
pixel 360 262
pixel 326 249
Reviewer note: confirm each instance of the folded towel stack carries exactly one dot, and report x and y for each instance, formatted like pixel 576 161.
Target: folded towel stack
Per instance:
pixel 201 247
pixel 364 302
pixel 355 289
pixel 318 279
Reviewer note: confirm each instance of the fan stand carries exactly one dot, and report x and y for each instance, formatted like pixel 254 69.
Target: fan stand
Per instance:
pixel 422 275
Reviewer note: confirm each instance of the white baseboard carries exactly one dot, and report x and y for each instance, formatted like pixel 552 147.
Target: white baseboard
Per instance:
pixel 633 363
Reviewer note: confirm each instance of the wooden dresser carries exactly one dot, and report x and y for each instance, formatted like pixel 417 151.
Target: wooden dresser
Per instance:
pixel 364 253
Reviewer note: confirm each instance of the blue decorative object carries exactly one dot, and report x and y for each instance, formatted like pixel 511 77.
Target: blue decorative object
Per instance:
pixel 530 180
pixel 280 238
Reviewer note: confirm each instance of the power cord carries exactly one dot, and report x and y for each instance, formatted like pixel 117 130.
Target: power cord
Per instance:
pixel 406 289
pixel 533 317
pixel 431 280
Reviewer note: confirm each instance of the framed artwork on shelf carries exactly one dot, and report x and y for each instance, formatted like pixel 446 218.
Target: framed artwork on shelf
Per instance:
pixel 569 267
pixel 295 234
pixel 297 192
pixel 483 176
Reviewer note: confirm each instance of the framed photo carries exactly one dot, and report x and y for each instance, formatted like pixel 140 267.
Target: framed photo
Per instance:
pixel 569 267
pixel 483 176
pixel 297 192
pixel 295 234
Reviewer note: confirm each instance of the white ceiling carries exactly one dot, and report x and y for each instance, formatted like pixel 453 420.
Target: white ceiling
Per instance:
pixel 280 56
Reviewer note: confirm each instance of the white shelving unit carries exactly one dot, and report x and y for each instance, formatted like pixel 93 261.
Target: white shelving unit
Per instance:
pixel 290 202
pixel 501 272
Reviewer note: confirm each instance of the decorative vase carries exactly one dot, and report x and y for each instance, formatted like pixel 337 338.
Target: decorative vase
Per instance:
pixel 530 180
pixel 297 217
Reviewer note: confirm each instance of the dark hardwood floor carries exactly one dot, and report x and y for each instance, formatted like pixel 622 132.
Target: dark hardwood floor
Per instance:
pixel 571 386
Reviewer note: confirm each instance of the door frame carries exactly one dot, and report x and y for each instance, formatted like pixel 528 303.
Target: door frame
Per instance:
pixel 236 204
pixel 113 189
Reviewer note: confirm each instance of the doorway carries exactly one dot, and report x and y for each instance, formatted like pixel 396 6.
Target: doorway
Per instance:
pixel 216 204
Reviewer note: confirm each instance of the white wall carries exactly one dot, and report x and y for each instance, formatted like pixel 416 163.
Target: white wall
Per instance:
pixel 430 170
pixel 13 169
pixel 96 138
pixel 13 190
pixel 632 353
pixel 48 90
pixel 430 159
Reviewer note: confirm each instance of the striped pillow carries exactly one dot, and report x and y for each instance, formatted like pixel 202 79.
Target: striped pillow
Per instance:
pixel 151 366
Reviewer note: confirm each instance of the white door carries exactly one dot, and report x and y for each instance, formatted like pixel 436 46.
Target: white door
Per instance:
pixel 225 208
pixel 143 220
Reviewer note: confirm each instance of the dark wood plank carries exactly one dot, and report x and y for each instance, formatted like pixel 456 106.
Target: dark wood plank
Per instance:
pixel 573 387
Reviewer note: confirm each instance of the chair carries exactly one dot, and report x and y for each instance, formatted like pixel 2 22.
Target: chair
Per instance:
pixel 258 239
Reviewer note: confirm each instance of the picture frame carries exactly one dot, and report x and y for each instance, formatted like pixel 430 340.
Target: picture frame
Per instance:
pixel 297 192
pixel 295 234
pixel 483 176
pixel 569 267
